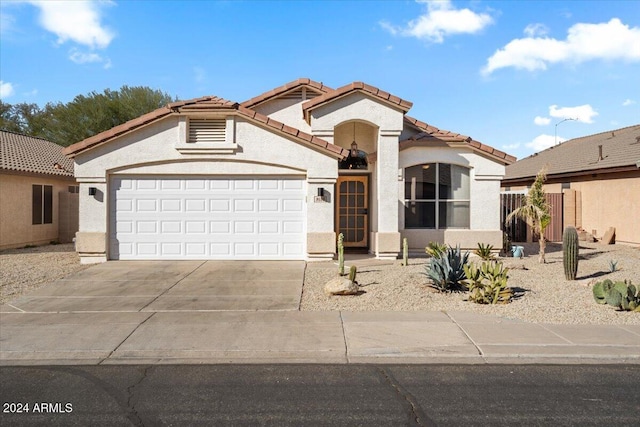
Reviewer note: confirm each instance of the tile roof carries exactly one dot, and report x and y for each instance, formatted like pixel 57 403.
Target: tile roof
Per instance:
pixel 620 149
pixel 355 87
pixel 207 103
pixel 431 134
pixel 22 153
pixel 288 87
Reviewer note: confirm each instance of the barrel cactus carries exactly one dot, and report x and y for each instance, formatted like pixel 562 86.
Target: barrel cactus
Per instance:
pixel 570 250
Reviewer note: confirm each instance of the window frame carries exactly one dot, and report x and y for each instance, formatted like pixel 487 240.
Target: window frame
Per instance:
pixel 41 204
pixel 437 200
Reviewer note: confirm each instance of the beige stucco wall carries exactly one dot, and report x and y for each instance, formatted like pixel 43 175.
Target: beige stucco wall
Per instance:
pixel 287 111
pixel 485 176
pixel 611 203
pixel 16 229
pixel 379 125
pixel 152 150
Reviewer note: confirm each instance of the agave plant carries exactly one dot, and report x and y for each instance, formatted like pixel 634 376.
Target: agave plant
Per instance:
pixel 435 249
pixel 487 284
pixel 485 251
pixel 446 272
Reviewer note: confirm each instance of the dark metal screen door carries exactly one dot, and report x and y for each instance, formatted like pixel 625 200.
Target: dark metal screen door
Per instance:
pixel 352 210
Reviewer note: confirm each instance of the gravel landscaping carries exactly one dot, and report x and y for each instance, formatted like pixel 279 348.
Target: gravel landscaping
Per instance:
pixel 546 297
pixel 24 270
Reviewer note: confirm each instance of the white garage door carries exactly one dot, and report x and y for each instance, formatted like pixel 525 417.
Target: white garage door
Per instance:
pixel 207 218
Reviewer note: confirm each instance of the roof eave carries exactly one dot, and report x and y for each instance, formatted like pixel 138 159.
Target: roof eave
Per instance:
pixel 573 174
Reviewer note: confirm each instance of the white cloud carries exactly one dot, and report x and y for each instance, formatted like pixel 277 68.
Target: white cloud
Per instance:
pixel 76 21
pixel 536 30
pixel 542 142
pixel 199 74
pixel 582 113
pixel 511 146
pixel 80 57
pixel 440 20
pixel 6 89
pixel 585 42
pixel 542 121
pixel 628 102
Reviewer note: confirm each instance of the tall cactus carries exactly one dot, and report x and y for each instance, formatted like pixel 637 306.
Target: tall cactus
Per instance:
pixel 341 254
pixel 570 250
pixel 405 252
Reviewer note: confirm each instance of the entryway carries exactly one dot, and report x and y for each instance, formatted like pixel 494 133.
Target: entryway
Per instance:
pixel 352 210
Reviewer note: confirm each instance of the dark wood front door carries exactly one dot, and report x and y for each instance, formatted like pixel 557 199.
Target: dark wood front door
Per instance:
pixel 352 210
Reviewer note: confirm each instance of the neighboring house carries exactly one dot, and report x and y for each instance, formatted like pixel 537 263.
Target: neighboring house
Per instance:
pixel 38 194
pixel 277 176
pixel 599 177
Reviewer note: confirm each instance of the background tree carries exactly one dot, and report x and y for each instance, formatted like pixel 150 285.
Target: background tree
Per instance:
pixel 84 116
pixel 535 211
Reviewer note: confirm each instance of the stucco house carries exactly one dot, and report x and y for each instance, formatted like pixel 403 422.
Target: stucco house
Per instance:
pixel 279 175
pixel 38 194
pixel 599 179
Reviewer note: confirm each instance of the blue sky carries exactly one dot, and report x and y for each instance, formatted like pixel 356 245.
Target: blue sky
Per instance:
pixel 506 73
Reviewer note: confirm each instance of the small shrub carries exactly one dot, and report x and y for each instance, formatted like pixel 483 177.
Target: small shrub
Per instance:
pixel 622 295
pixel 485 251
pixel 613 266
pixel 435 249
pixel 447 271
pixel 487 284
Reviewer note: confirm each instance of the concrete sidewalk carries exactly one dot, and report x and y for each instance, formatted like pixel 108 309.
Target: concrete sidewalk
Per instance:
pixel 150 337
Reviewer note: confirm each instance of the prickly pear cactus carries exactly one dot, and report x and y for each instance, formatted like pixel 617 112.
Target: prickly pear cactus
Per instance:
pixel 622 295
pixel 570 249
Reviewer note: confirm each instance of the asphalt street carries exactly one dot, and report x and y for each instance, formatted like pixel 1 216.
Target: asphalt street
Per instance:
pixel 371 395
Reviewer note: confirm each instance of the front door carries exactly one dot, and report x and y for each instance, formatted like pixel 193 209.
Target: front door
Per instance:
pixel 352 210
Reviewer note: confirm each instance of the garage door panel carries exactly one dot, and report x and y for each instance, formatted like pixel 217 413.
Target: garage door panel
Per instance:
pixel 205 218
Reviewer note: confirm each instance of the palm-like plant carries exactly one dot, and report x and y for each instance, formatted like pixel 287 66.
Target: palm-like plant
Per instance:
pixel 535 211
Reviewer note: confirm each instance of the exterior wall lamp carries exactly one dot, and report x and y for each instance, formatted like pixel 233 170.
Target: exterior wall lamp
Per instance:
pixel 93 191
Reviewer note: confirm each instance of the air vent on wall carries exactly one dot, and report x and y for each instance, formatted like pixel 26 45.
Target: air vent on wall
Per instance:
pixel 207 130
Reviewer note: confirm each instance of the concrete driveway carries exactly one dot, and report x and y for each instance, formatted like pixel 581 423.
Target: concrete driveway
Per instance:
pixel 159 286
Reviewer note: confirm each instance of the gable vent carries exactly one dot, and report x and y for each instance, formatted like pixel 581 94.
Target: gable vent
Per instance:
pixel 296 94
pixel 207 131
pixel 301 94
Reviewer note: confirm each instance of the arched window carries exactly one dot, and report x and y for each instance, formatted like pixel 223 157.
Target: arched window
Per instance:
pixel 436 196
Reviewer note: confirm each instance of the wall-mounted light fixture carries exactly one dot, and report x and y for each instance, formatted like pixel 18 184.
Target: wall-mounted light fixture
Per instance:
pixel 320 192
pixel 93 191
